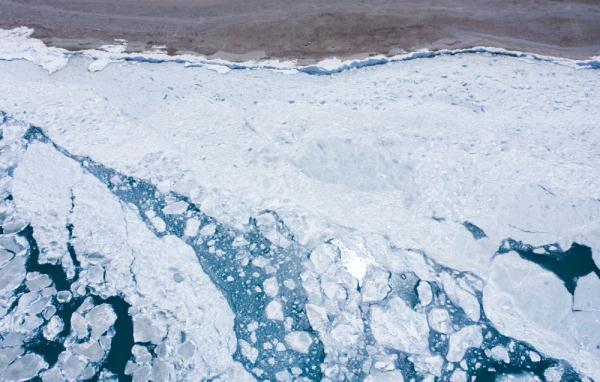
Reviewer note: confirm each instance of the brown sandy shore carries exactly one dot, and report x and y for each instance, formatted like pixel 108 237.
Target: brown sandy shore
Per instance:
pixel 309 30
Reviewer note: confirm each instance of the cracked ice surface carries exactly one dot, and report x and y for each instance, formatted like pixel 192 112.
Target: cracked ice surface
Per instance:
pixel 118 256
pixel 429 218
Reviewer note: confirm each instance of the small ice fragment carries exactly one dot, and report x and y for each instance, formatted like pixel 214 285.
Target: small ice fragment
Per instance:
pixel 250 352
pixel 299 341
pixel 274 311
pixel 175 208
pixel 500 353
pixel 439 320
pixel 424 293
pixel 191 227
pixel 208 230
pixel 466 338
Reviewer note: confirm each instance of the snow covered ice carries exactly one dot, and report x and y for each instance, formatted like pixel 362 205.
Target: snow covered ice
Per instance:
pixel 435 216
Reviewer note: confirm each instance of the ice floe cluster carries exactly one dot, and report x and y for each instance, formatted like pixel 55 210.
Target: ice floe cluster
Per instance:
pixel 427 219
pixel 92 247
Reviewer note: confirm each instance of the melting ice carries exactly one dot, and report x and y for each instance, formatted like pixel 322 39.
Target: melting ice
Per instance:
pixel 431 218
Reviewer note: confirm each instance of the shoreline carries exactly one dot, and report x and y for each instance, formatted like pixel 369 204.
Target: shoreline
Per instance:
pixel 18 44
pixel 308 31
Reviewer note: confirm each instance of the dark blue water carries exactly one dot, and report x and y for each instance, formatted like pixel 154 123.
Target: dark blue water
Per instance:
pixel 568 265
pixel 477 232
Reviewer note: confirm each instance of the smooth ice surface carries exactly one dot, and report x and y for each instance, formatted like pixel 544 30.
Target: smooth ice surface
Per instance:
pixel 278 225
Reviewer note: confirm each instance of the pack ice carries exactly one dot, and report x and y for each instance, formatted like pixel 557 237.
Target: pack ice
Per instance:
pixel 434 217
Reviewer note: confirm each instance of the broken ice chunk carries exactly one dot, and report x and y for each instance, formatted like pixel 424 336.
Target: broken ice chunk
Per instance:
pixel 270 226
pixel 397 326
pixel 141 354
pixel 317 316
pixel 24 368
pixel 389 376
pixel 208 230
pixel 534 357
pixel 187 350
pixel 375 285
pixel 299 341
pixel 428 364
pixel 466 338
pixel 192 226
pixel 11 275
pixel 53 328
pixel 271 287
pixel 461 297
pixel 100 318
pixel 248 351
pixel 499 353
pixel 52 375
pixel 93 351
pixel 458 376
pixel 142 374
pixel 8 355
pixel 439 320
pixel 289 284
pixel 424 293
pixel 64 296
pixel 175 208
pixel 36 281
pixel 156 221
pixel 323 256
pixel 347 334
pixel 283 376
pixel 161 371
pixel 274 310
pixel 554 374
pixel 144 331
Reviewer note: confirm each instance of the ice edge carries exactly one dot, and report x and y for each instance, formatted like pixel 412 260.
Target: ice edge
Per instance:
pixel 17 44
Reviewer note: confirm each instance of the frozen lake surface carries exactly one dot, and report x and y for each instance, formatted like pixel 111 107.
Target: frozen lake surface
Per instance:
pixel 431 216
